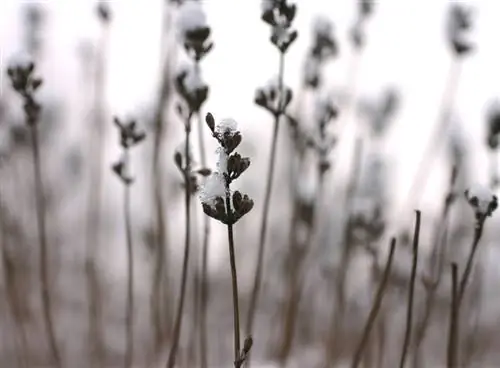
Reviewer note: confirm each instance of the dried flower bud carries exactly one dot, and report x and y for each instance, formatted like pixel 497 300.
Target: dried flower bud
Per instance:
pixel 458 26
pixel 482 200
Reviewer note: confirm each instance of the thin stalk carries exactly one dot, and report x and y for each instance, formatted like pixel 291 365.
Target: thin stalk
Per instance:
pixel 129 315
pixel 204 292
pixel 453 331
pixel 93 231
pixel 254 298
pixel 160 293
pixel 411 291
pixel 478 232
pixel 377 302
pixel 187 246
pixel 44 256
pixel 234 281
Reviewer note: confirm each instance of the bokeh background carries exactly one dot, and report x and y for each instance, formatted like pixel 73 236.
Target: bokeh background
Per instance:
pixel 95 68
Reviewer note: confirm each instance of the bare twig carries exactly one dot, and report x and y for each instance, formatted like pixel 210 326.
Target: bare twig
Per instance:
pixel 187 246
pixel 411 291
pixel 453 331
pixel 377 302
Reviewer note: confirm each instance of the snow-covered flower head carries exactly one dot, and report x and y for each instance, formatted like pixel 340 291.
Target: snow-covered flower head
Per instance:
pixel 212 188
pixel 218 201
pixel 271 98
pixel 458 25
pixel 191 18
pixel 193 29
pixel 279 15
pixel 191 86
pixel 226 126
pixel 482 200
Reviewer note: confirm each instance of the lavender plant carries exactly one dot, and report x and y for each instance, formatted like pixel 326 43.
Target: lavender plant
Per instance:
pixel 129 136
pixel 195 37
pixel 279 14
pixel 221 203
pixel 26 84
pixel 193 27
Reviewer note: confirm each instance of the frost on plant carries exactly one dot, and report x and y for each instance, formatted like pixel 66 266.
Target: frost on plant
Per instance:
pixel 194 31
pixel 217 199
pixel 270 98
pixel 191 86
pixel 279 14
pixel 482 200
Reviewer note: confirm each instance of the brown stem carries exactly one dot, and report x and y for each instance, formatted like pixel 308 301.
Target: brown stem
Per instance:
pixel 129 315
pixel 44 257
pixel 478 232
pixel 160 293
pixel 93 231
pixel 411 291
pixel 453 331
pixel 234 280
pixel 265 212
pixel 377 302
pixel 187 246
pixel 204 261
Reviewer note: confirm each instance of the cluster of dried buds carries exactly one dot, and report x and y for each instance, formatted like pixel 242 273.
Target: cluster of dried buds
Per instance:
pixel 458 29
pixel 194 29
pixel 129 136
pixel 279 14
pixel 482 201
pixel 273 98
pixel 26 84
pixel 323 47
pixel 216 197
pixel 191 88
pixel 323 141
pixel 365 10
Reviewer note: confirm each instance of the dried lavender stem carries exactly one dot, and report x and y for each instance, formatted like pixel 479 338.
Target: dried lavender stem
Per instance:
pixel 234 281
pixel 42 236
pixel 478 232
pixel 187 245
pixel 267 202
pixel 204 261
pixel 411 291
pixel 453 331
pixel 160 293
pixel 129 314
pixel 93 231
pixel 377 302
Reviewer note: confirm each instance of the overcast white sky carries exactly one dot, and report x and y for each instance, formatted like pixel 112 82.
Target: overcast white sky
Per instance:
pixel 406 49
